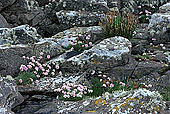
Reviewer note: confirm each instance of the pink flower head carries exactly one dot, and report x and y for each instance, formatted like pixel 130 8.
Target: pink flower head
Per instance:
pixel 36 81
pixel 134 32
pixel 90 91
pixel 53 73
pixel 36 68
pixel 146 11
pixel 79 42
pixel 140 13
pixel 147 14
pixel 82 45
pixel 90 43
pixel 60 73
pixel 23 68
pixel 29 66
pixel 41 53
pixel 123 84
pixel 111 85
pixel 58 90
pixel 153 39
pixel 35 72
pixel 45 73
pixel 139 6
pixel 150 5
pixel 48 56
pixel 86 45
pixel 20 80
pixel 104 85
pixel 120 82
pixel 72 43
pixel 72 49
pixel 23 57
pixel 38 76
pixel 57 67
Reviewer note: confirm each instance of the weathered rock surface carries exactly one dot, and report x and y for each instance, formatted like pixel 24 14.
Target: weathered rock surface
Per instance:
pixel 3 22
pixel 135 101
pixel 9 96
pixel 23 34
pixel 159 26
pixel 108 53
pixel 6 3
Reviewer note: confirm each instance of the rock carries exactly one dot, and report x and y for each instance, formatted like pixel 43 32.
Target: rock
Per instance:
pixel 146 68
pixel 159 27
pixel 6 3
pixel 75 18
pixel 28 44
pixel 3 22
pixel 132 5
pixel 108 53
pixel 63 37
pixel 42 2
pixel 120 101
pixel 9 95
pixel 83 5
pixel 165 8
pixel 23 34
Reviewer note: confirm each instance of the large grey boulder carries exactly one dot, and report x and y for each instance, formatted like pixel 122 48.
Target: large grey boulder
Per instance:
pixel 108 53
pixel 159 26
pixel 9 96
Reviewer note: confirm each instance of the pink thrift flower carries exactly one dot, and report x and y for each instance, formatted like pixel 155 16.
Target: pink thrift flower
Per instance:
pixel 53 73
pixel 139 6
pixel 57 67
pixel 58 90
pixel 146 11
pixel 20 80
pixel 90 43
pixel 23 57
pixel 120 82
pixel 150 5
pixel 29 66
pixel 82 45
pixel 72 49
pixel 60 73
pixel 35 72
pixel 38 76
pixel 48 56
pixel 90 91
pixel 45 73
pixel 23 68
pixel 111 85
pixel 153 39
pixel 140 13
pixel 123 84
pixel 42 68
pixel 36 81
pixel 86 45
pixel 41 53
pixel 147 14
pixel 79 42
pixel 72 43
pixel 134 32
pixel 36 68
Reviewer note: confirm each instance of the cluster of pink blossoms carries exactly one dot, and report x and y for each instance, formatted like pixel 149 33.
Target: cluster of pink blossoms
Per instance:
pixel 82 45
pixel 36 66
pixel 146 12
pixel 73 90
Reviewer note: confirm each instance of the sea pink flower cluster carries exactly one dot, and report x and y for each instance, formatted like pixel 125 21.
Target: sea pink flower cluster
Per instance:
pixel 145 12
pixel 36 65
pixel 73 90
pixel 79 45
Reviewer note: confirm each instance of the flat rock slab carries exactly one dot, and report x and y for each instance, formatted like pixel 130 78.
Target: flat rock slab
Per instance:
pixel 9 95
pixel 108 53
pixel 23 34
pixel 134 101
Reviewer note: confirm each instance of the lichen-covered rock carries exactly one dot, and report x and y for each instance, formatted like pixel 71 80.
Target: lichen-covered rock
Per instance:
pixel 79 18
pixel 23 34
pixel 11 56
pixel 134 101
pixel 132 5
pixel 6 3
pixel 3 22
pixel 108 53
pixel 159 28
pixel 83 5
pixel 9 95
pixel 165 8
pixel 63 37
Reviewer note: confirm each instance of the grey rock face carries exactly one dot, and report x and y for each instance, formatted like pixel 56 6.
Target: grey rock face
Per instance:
pixel 159 26
pixel 108 53
pixel 19 35
pixel 6 3
pixel 9 96
pixel 3 22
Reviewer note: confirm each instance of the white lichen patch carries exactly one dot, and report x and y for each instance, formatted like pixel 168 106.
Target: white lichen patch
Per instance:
pixel 109 48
